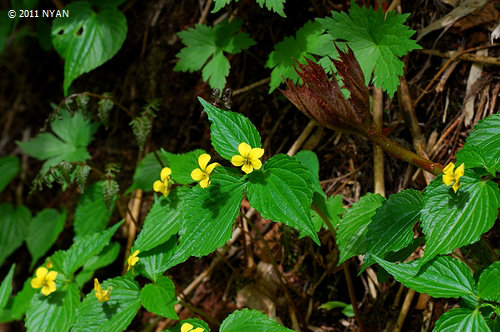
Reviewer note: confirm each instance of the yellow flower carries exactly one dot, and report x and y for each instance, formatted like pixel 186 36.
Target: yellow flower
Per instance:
pixel 102 295
pixel 45 280
pixel 186 327
pixel 203 174
pixel 248 158
pixel 133 259
pixel 49 264
pixel 453 177
pixel 163 185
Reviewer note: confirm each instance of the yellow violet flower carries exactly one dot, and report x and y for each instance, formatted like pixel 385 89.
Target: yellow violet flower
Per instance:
pixel 453 177
pixel 133 259
pixel 204 173
pixel 248 158
pixel 45 280
pixel 163 185
pixel 186 327
pixel 102 295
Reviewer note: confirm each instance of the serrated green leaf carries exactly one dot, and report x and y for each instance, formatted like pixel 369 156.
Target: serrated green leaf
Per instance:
pixel 482 147
pixel 113 315
pixel 280 192
pixel 209 215
pixel 309 160
pixel 461 320
pixel 43 231
pixel 105 106
pixel 443 276
pixel 163 220
pixel 229 129
pixel 196 322
pixel 82 172
pixel 204 42
pixel 107 256
pixel 110 189
pixel 141 126
pixel 250 320
pixel 9 167
pixel 55 312
pixel 6 287
pixel 22 300
pixel 157 260
pixel 310 40
pixel 332 207
pixel 72 136
pixel 160 298
pixel 377 38
pixel 91 214
pixel 332 305
pixel 353 226
pixel 13 228
pixel 87 39
pixel 391 228
pixel 85 248
pixel 489 282
pixel 451 220
pixel 276 6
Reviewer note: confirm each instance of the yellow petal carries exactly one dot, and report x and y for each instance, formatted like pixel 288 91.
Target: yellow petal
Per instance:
pixel 459 172
pixel 244 149
pixel 97 285
pixel 198 329
pixel 197 174
pixel 46 290
pixel 51 276
pixel 165 172
pixel 52 286
pixel 203 161
pixel 205 182
pixel 449 168
pixel 256 163
pixel 448 179
pixel 136 253
pixel 41 272
pixel 211 167
pixel 186 327
pixel 238 160
pixel 247 168
pixel 456 185
pixel 158 186
pixel 256 153
pixel 37 282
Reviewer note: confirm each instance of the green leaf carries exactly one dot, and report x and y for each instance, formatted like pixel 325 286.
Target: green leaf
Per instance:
pixel 72 136
pixel 391 228
pixel 353 227
pixel 82 172
pixel 85 248
pixel 482 146
pixel 6 287
pixel 309 160
pixel 333 209
pixel 87 39
pixel 55 312
pixel 160 298
pixel 209 215
pixel 489 283
pixel 276 6
pixel 250 320
pixel 157 260
pixel 105 106
pixel 461 320
pixel 91 215
pixel 113 315
pixel 441 277
pixel 22 300
pixel 280 192
pixel 110 189
pixel 14 225
pixel 107 256
pixel 9 167
pixel 451 220
pixel 332 305
pixel 43 231
pixel 310 40
pixel 377 38
pixel 204 42
pixel 162 221
pixel 229 129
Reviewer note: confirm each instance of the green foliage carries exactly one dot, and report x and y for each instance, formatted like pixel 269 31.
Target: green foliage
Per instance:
pixel 196 322
pixel 157 260
pixel 72 136
pixel 110 189
pixel 229 129
pixel 250 320
pixel 309 160
pixel 43 231
pixel 451 220
pixel 82 172
pixel 107 256
pixel 14 223
pixel 105 106
pixel 141 126
pixel 281 192
pixel 461 319
pixel 481 147
pixel 309 41
pixel 204 43
pixel 6 288
pixel 489 283
pixel 160 298
pixel 276 6
pixel 346 308
pixel 17 306
pixel 331 207
pixel 87 39
pixel 9 167
pixel 378 39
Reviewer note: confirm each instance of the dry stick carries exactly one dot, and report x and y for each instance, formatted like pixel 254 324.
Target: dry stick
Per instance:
pixel 487 60
pixel 251 86
pixel 378 154
pixel 404 310
pixel 204 14
pixel 300 140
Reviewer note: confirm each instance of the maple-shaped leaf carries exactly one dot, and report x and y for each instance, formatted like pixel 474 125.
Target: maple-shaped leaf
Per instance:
pixel 205 47
pixel 377 41
pixel 310 40
pixel 276 6
pixel 322 99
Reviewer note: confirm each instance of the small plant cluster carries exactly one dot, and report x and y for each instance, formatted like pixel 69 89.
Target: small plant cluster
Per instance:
pixel 198 201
